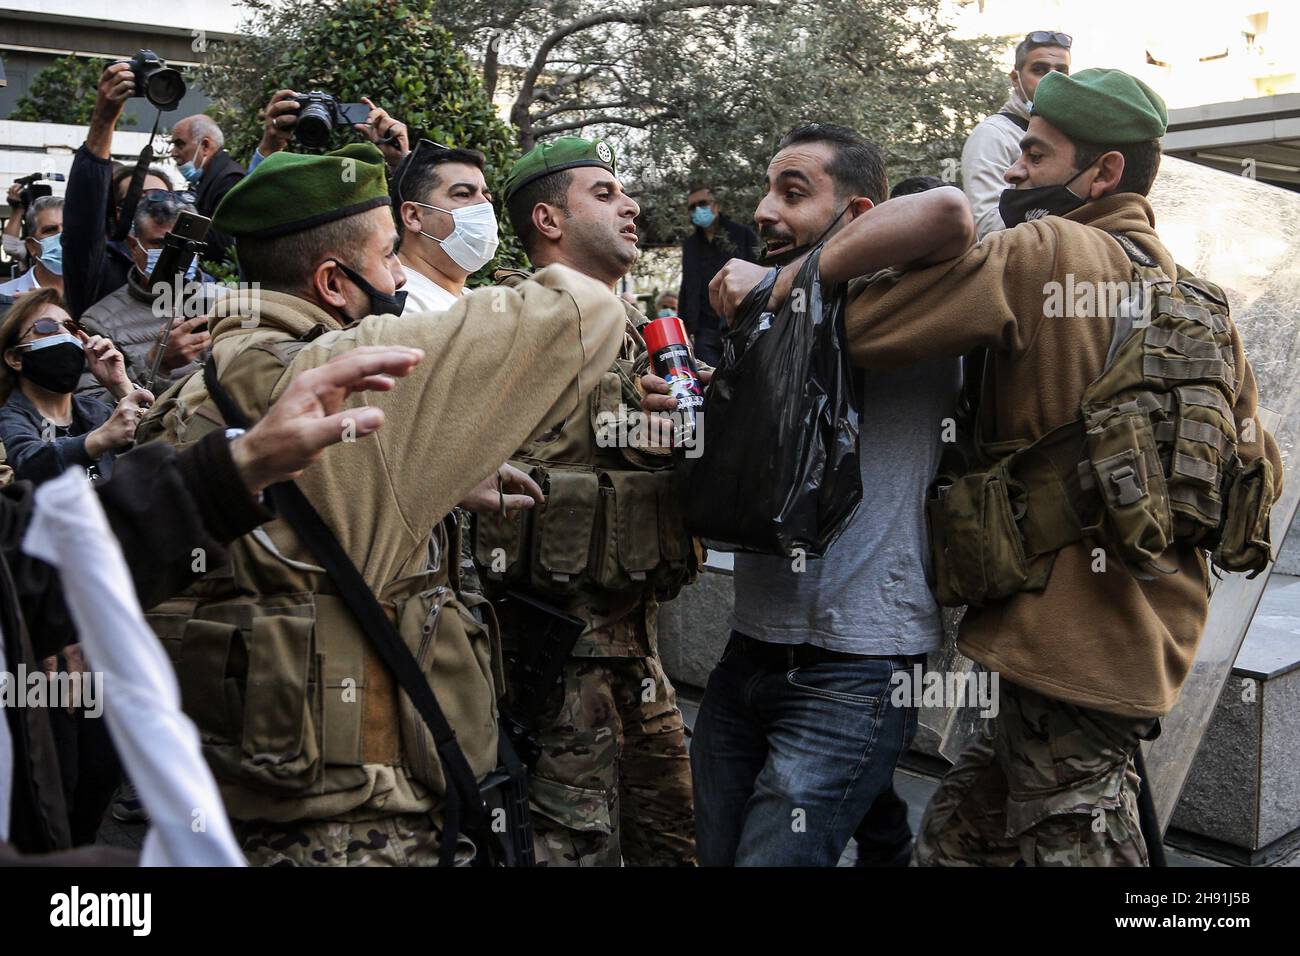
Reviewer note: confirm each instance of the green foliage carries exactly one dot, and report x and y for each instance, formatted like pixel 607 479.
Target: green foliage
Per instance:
pixel 392 51
pixel 705 90
pixel 890 69
pixel 63 92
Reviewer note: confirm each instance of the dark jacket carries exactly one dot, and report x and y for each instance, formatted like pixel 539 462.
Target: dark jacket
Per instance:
pixel 93 265
pixel 701 260
pixel 161 506
pixel 219 176
pixel 32 457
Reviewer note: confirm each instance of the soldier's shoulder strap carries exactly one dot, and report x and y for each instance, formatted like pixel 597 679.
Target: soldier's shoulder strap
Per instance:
pixel 1133 250
pixel 1018 120
pixel 284 350
pixel 511 277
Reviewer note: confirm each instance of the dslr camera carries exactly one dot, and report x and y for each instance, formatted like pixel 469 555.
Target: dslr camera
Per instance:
pixel 319 113
pixel 33 189
pixel 156 81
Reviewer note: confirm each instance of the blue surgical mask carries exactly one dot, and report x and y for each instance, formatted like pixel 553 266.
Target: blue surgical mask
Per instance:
pixel 151 260
pixel 51 254
pixel 666 313
pixel 703 216
pixel 191 172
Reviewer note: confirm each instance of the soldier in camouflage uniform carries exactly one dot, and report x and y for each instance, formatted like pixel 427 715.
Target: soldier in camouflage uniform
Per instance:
pixel 613 780
pixel 1071 799
pixel 1112 456
pixel 321 759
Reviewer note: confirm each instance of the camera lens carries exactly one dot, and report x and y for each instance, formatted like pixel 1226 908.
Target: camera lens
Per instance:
pixel 164 88
pixel 314 125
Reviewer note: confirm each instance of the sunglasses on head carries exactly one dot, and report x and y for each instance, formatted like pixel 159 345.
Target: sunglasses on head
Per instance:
pixel 1046 37
pixel 430 147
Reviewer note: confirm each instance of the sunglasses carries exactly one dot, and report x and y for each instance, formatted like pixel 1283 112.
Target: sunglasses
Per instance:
pixel 44 327
pixel 154 196
pixel 698 203
pixel 1050 37
pixel 430 147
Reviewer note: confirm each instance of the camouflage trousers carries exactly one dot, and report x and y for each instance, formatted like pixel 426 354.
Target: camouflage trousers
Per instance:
pixel 614 779
pixel 409 839
pixel 1048 784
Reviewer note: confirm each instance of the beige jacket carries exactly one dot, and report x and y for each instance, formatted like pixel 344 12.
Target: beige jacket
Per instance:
pixel 1107 641
pixel 501 365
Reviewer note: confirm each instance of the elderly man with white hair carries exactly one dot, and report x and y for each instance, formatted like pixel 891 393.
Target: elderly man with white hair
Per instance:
pixel 198 149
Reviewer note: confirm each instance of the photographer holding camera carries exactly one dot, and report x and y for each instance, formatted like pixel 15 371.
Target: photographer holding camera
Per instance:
pixel 13 228
pixel 284 108
pixel 129 316
pixel 94 263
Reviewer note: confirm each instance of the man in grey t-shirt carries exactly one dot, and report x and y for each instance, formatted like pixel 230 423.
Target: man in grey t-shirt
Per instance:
pixel 797 735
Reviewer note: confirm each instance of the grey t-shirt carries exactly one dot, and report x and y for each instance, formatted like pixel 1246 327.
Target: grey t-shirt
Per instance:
pixel 868 595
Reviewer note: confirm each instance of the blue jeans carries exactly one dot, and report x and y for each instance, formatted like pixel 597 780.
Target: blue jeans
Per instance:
pixel 788 759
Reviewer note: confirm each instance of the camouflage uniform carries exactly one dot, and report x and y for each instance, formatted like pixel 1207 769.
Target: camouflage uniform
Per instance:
pixel 613 741
pixel 614 779
pixel 407 839
pixel 1046 783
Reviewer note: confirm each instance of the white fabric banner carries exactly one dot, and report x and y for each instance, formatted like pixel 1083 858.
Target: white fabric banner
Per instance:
pixel 158 744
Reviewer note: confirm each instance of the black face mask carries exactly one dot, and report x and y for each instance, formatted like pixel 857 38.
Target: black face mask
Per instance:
pixel 55 367
pixel 787 257
pixel 1022 205
pixel 381 303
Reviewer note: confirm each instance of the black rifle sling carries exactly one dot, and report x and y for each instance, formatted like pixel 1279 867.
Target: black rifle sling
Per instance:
pixel 463 797
pixel 1018 120
pixel 122 226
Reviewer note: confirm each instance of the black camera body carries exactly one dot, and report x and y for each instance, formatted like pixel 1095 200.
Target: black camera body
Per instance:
pixel 33 190
pixel 318 115
pixel 156 81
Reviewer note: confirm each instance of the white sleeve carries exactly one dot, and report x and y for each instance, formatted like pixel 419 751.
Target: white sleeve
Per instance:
pixel 132 679
pixel 989 152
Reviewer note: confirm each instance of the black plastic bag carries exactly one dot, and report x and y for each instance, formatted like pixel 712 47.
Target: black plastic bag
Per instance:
pixel 775 467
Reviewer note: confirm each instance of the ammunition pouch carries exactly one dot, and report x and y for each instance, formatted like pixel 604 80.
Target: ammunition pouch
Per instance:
pixel 263 681
pixel 1245 542
pixel 1124 470
pixel 1151 463
pixel 455 650
pixel 612 532
pixel 977 550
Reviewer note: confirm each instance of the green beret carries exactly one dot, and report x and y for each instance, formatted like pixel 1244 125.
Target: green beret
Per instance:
pixel 567 152
pixel 290 192
pixel 1101 106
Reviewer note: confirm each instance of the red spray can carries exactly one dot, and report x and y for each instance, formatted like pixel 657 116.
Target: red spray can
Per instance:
pixel 671 359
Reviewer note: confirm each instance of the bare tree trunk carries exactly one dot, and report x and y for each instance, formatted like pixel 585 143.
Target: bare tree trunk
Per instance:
pixel 491 65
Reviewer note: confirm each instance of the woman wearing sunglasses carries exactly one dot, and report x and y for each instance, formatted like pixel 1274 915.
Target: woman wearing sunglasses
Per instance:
pixel 45 427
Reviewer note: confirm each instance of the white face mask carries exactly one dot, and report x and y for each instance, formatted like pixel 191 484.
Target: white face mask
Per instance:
pixel 473 240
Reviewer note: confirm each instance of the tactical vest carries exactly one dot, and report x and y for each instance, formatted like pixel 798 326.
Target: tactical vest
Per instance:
pixel 289 697
pixel 611 526
pixel 1150 463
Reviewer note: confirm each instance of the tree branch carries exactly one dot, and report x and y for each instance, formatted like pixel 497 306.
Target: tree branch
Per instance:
pixel 645 16
pixel 606 105
pixel 643 123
